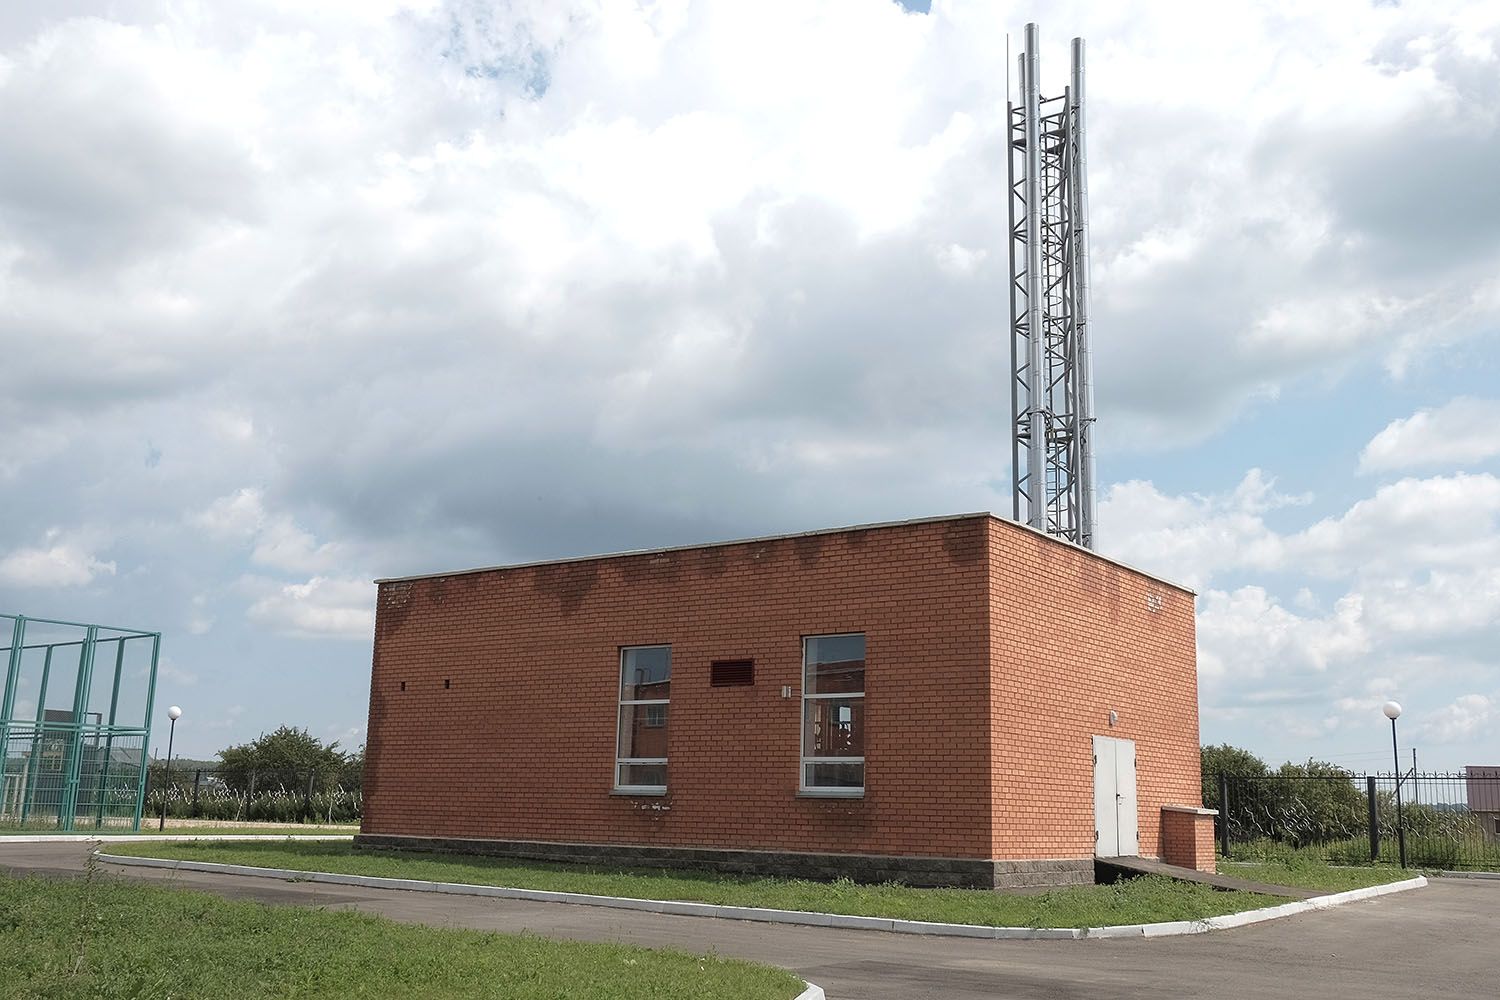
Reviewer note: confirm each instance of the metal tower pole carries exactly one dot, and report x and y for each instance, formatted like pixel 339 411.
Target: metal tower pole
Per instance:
pixel 1085 356
pixel 1052 386
pixel 1036 513
pixel 1010 236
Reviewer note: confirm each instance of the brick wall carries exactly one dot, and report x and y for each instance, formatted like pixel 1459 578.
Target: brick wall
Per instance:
pixel 1187 838
pixel 1074 637
pixel 519 743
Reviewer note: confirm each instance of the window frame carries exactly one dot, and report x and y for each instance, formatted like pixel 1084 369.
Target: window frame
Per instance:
pixel 803 760
pixel 621 702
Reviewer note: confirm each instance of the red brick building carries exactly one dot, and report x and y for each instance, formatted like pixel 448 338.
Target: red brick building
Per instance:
pixel 956 700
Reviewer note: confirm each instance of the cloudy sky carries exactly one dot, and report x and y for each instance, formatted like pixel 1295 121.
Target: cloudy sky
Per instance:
pixel 297 295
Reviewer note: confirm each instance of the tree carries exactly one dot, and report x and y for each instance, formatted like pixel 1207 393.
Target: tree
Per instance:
pixel 1296 804
pixel 287 756
pixel 352 774
pixel 1228 760
pixel 1320 803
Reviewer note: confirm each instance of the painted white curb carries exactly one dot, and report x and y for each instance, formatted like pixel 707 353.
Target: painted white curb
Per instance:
pixel 1479 875
pixel 813 992
pixel 130 838
pixel 799 917
pixel 1246 917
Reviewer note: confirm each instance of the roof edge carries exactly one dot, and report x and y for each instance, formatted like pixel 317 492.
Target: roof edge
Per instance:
pixel 787 535
pixel 687 548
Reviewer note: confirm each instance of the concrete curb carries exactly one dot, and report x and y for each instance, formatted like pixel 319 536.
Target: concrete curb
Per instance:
pixel 813 992
pixel 1478 875
pixel 130 838
pixel 1242 919
pixel 798 917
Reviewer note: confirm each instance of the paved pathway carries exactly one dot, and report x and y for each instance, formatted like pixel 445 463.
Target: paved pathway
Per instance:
pixel 1440 941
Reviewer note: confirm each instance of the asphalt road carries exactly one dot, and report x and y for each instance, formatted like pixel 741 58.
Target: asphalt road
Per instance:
pixel 1441 941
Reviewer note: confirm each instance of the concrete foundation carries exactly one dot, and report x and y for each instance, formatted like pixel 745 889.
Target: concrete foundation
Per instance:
pixel 963 873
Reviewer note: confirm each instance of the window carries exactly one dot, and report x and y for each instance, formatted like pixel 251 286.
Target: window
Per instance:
pixel 833 713
pixel 641 745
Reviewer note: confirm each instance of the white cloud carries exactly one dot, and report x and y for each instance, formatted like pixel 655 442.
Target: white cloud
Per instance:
pixel 54 564
pixel 349 738
pixel 238 515
pixel 1247 635
pixel 1464 719
pixel 1439 522
pixel 278 542
pixel 1188 539
pixel 168 671
pixel 320 608
pixel 1408 577
pixel 199 620
pixel 1460 432
pixel 1441 605
pixel 454 282
pixel 230 720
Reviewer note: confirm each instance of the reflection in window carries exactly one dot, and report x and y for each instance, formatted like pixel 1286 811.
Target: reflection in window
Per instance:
pixel 833 708
pixel 641 746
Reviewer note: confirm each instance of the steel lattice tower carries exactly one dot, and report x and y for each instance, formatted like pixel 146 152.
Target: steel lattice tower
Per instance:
pixel 1052 392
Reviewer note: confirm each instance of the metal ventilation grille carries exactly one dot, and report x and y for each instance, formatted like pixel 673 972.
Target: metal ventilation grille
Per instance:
pixel 731 673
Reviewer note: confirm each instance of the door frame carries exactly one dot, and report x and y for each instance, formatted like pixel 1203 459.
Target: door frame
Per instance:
pixel 1114 775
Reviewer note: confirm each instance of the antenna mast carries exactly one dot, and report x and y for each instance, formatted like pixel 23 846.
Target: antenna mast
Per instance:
pixel 1052 386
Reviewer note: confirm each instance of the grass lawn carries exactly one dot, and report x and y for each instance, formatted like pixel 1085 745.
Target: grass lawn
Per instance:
pixel 1143 900
pixel 150 830
pixel 1314 875
pixel 99 937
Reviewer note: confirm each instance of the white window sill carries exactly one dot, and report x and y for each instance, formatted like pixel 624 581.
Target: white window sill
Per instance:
pixel 830 793
pixel 638 791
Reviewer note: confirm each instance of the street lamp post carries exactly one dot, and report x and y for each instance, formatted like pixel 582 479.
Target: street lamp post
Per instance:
pixel 174 713
pixel 1392 711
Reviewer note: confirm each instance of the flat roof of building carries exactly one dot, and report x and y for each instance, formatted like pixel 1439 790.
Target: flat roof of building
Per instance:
pixel 788 535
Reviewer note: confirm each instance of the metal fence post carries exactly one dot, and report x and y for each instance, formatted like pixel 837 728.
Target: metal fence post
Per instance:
pixel 197 780
pixel 1374 818
pixel 1224 815
pixel 307 797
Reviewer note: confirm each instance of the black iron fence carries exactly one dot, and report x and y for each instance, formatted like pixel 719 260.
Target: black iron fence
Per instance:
pixel 254 796
pixel 1447 821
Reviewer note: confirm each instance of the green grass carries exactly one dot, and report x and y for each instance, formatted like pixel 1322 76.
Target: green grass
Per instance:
pixel 1143 900
pixel 187 831
pixel 97 938
pixel 1423 853
pixel 1307 874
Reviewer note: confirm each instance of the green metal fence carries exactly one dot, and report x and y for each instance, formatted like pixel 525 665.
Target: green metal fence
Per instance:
pixel 74 723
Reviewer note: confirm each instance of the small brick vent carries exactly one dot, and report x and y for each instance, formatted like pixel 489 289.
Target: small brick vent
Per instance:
pixel 731 673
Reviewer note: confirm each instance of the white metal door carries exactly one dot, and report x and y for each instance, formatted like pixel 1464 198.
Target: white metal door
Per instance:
pixel 1116 825
pixel 1106 825
pixel 1126 817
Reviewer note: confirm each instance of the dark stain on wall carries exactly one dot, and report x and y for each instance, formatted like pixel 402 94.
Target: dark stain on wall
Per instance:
pixel 656 568
pixel 392 605
pixel 713 562
pixel 762 555
pixel 964 540
pixel 809 548
pixel 1102 585
pixel 570 583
